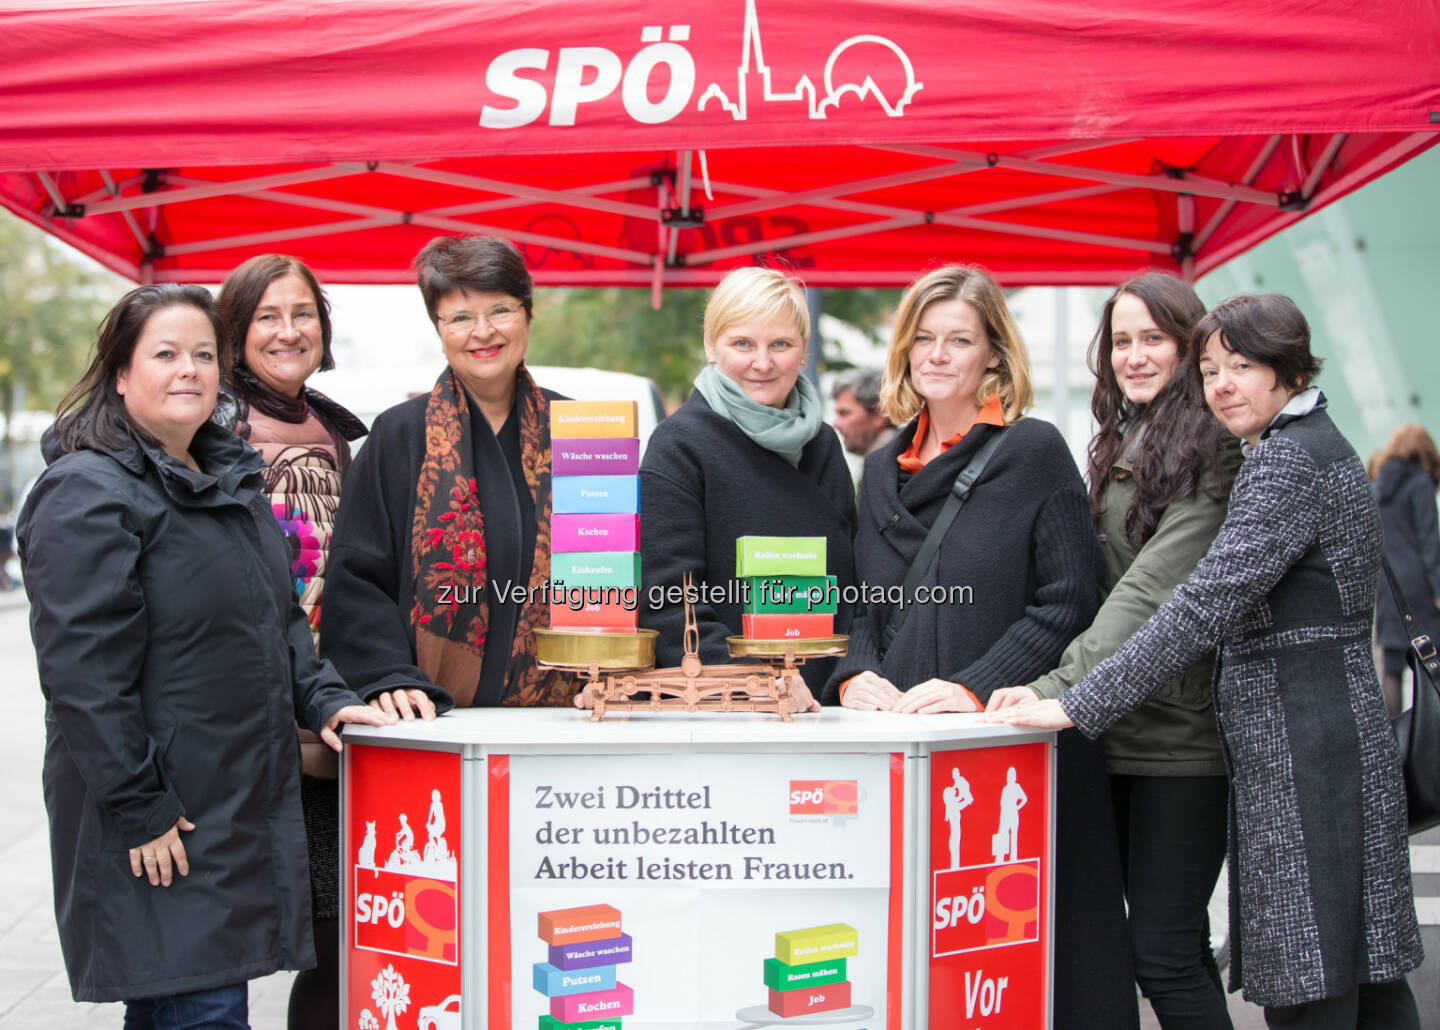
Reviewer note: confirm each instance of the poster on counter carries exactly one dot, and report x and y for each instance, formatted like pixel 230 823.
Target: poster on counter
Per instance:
pixel 401 889
pixel 707 891
pixel 989 816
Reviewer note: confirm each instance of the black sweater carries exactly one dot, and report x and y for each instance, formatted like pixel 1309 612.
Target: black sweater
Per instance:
pixel 704 483
pixel 1023 544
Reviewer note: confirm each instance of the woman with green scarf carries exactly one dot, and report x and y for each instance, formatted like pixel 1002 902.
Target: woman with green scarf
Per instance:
pixel 747 455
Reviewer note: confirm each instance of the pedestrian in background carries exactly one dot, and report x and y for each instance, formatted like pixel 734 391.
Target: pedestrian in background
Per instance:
pixel 1160 471
pixel 276 320
pixel 1407 471
pixel 170 646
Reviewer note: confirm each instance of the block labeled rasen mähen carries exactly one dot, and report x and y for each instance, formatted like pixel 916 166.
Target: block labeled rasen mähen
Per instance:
pixel 595 494
pixel 595 532
pixel 779 556
pixel 791 595
pixel 551 1023
pixel 612 951
pixel 819 999
pixel 595 569
pixel 588 419
pixel 594 456
pixel 786 627
pixel 554 983
pixel 575 1008
pixel 816 943
pixel 780 977
pixel 576 925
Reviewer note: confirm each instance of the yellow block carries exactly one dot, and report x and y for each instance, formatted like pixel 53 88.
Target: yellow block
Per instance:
pixel 816 943
pixel 579 419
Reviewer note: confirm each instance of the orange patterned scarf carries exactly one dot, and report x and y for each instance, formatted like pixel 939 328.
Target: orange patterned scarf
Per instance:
pixel 447 547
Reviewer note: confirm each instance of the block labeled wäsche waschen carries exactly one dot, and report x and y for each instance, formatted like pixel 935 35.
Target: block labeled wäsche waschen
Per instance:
pixel 595 494
pixel 595 532
pixel 555 983
pixel 780 977
pixel 577 925
pixel 594 457
pixel 573 1008
pixel 807 595
pixel 609 952
pixel 816 943
pixel 786 627
pixel 818 999
pixel 779 556
pixel 592 419
pixel 596 569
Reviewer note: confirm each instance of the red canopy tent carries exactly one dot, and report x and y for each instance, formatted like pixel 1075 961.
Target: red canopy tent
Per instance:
pixel 649 144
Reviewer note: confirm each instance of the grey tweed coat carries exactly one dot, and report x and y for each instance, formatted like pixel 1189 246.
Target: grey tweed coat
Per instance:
pixel 1319 860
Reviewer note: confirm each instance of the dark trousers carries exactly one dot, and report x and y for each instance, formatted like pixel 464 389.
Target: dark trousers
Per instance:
pixel 219 1008
pixel 1385 1006
pixel 1172 844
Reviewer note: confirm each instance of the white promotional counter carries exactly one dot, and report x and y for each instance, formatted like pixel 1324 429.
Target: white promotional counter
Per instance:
pixel 524 868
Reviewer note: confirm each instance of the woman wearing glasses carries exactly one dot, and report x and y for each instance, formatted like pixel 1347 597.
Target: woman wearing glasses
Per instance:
pixel 446 513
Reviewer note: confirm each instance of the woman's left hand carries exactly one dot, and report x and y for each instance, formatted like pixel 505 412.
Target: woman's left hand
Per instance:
pixel 934 696
pixel 801 700
pixel 353 713
pixel 1045 715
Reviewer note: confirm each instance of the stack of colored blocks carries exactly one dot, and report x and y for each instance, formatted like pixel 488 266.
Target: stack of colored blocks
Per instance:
pixel 788 596
pixel 579 978
pixel 807 973
pixel 595 525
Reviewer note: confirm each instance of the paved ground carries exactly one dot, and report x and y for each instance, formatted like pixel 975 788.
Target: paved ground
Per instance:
pixel 33 989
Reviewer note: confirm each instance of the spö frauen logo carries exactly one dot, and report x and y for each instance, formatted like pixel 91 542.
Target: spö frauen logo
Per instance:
pixel 825 797
pixel 586 74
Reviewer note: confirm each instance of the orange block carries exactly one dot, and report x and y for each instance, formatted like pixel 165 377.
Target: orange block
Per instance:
pixel 577 925
pixel 582 419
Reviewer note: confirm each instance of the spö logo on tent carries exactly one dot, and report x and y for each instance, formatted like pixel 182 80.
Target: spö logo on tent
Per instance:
pixel 589 74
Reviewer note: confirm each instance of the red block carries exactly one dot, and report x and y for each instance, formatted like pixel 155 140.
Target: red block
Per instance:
pixel 611 616
pixel 810 999
pixel 787 626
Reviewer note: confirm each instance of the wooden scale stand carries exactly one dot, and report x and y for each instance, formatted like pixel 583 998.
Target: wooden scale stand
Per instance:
pixel 614 667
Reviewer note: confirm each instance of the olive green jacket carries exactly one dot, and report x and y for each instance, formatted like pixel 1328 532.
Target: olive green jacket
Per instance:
pixel 1173 733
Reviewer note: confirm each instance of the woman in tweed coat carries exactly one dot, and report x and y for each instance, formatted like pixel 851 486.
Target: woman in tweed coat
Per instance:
pixel 1321 907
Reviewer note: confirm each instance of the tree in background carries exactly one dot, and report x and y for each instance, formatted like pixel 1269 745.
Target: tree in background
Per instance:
pixel 50 306
pixel 617 329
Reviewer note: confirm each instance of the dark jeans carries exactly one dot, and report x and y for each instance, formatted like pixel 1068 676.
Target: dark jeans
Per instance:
pixel 1172 844
pixel 219 1008
pixel 1386 1006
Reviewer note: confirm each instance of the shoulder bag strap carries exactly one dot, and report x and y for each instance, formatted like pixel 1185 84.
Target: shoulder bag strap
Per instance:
pixel 1420 642
pixel 959 494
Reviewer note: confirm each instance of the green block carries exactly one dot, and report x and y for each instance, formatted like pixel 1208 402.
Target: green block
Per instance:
pixel 786 595
pixel 596 568
pixel 551 1023
pixel 780 977
pixel 779 556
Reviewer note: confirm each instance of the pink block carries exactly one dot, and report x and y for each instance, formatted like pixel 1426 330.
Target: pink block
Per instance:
pixel 575 532
pixel 573 1008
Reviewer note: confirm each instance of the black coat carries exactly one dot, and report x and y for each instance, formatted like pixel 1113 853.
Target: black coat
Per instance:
pixel 175 660
pixel 1412 544
pixel 703 483
pixel 1024 545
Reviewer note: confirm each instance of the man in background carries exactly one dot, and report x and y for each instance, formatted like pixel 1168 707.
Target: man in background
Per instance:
pixel 858 419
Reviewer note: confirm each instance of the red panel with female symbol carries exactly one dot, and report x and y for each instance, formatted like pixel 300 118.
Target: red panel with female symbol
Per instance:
pixel 401 887
pixel 989 815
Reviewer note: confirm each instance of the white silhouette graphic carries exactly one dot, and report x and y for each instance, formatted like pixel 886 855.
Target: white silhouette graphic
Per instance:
pixel 1005 843
pixel 804 88
pixel 445 1016
pixel 367 1021
pixel 391 994
pixel 956 798
pixel 437 861
pixel 435 846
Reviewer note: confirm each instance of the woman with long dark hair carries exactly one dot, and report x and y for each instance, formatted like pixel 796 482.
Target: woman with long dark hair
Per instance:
pixel 1159 471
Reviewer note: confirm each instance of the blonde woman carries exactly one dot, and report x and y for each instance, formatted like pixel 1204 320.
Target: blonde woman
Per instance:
pixel 1017 576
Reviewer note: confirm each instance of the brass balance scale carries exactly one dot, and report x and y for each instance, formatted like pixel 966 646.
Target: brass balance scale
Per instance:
pixel 614 667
